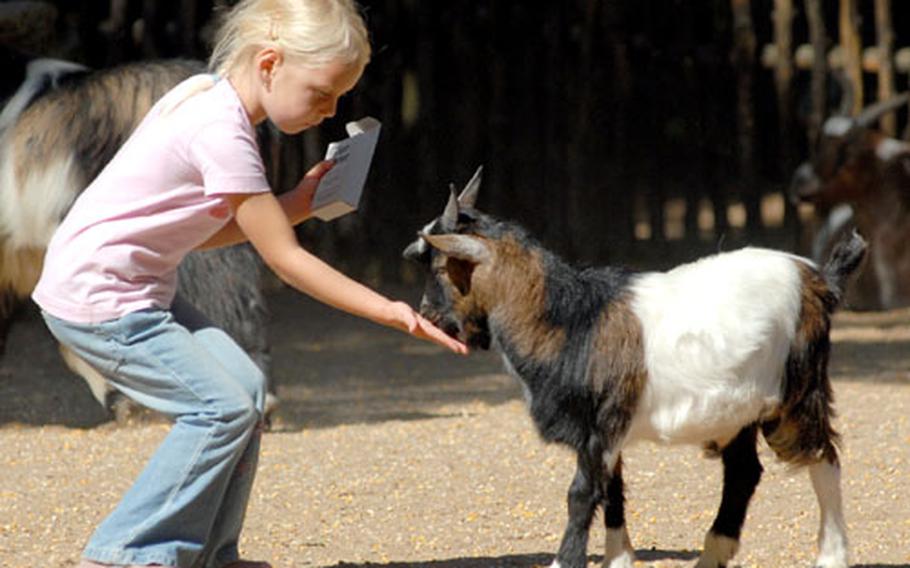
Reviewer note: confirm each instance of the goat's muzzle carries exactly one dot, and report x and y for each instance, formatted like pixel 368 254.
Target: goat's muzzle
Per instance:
pixel 446 323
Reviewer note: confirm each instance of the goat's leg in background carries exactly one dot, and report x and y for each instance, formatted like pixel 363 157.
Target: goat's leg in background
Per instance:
pixel 742 472
pixel 618 551
pixel 100 387
pixel 584 495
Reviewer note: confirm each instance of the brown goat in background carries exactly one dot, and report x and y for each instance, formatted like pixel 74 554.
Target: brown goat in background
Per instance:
pixel 862 177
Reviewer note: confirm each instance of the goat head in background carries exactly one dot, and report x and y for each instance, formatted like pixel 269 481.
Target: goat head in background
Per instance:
pixel 862 177
pixel 710 353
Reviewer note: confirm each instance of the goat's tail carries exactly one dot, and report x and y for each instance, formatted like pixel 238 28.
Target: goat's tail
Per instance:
pixel 845 258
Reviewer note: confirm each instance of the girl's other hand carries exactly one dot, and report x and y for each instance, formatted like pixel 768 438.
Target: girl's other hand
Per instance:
pixel 420 327
pixel 307 186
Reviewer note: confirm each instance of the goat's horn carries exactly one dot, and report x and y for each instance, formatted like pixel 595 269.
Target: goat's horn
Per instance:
pixel 468 195
pixel 871 114
pixel 450 215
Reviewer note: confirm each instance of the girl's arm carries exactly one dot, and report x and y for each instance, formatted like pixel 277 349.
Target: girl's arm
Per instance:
pixel 295 204
pixel 265 222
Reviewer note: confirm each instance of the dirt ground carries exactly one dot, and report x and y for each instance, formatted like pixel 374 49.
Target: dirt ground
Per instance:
pixel 388 453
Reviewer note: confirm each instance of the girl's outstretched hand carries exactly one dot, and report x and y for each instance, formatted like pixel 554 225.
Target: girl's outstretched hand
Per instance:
pixel 420 327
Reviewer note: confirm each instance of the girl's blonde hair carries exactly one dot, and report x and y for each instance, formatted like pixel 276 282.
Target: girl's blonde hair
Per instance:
pixel 313 32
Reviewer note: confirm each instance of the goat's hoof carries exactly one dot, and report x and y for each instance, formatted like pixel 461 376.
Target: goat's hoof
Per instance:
pixel 833 555
pixel 618 551
pixel 557 564
pixel 830 563
pixel 718 551
pixel 624 560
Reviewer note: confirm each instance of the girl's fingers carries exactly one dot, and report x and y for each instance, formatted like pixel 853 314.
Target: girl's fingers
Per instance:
pixel 311 179
pixel 433 333
pixel 320 169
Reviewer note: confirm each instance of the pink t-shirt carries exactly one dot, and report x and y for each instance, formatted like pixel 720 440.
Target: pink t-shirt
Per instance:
pixel 162 195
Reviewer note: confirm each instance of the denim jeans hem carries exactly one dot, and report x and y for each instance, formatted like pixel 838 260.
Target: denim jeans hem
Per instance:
pixel 125 557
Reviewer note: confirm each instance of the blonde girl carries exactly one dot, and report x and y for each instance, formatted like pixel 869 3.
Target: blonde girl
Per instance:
pixel 191 177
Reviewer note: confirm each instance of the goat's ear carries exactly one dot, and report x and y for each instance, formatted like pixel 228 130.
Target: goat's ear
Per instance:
pixel 462 247
pixel 415 251
pixel 468 196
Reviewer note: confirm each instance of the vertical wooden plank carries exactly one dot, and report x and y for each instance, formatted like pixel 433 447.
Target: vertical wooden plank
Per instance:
pixel 743 58
pixel 426 60
pixel 817 36
pixel 558 102
pixel 620 97
pixel 783 78
pixel 885 35
pixel 581 143
pixel 188 25
pixel 152 30
pixel 783 67
pixel 851 45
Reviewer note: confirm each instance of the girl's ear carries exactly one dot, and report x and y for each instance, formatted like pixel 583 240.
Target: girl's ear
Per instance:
pixel 267 62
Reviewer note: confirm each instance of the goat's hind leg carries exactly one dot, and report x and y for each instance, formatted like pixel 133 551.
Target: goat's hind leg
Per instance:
pixel 832 532
pixel 742 472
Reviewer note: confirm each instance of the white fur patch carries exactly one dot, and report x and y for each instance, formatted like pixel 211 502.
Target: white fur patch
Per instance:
pixel 717 333
pixel 832 532
pixel 837 125
pixel 618 551
pixel 33 207
pixel 421 244
pixel 888 148
pixel 30 211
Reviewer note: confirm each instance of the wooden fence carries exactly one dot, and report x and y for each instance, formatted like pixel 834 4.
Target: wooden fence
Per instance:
pixel 643 131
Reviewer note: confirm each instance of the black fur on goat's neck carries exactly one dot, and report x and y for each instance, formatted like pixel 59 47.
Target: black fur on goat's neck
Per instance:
pixel 564 400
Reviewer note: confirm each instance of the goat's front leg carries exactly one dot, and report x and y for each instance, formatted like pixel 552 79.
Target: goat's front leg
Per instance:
pixel 618 551
pixel 742 472
pixel 584 494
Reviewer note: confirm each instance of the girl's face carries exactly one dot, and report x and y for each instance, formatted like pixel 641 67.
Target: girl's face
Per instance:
pixel 296 97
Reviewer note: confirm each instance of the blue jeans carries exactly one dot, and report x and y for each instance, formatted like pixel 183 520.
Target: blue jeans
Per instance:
pixel 186 508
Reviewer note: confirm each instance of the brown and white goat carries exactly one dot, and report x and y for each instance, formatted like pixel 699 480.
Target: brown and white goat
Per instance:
pixel 57 130
pixel 709 353
pixel 863 177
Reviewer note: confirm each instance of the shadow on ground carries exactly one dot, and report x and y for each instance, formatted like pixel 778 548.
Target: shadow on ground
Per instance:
pixel 518 560
pixel 330 369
